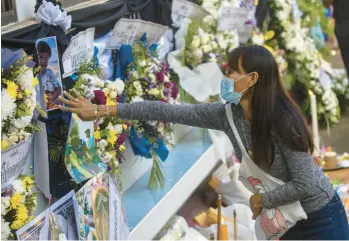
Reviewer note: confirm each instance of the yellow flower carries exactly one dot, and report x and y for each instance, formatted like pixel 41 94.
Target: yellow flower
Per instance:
pixel 20 95
pixel 122 148
pixel 4 145
pixel 28 183
pixel 97 135
pixel 17 224
pixel 124 126
pixel 110 101
pixel 35 82
pixel 22 213
pixel 112 137
pixel 27 92
pixel 16 200
pixel 12 89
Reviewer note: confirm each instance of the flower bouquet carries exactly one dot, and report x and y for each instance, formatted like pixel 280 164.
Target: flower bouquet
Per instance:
pixel 201 54
pixel 110 133
pixel 148 79
pixel 18 204
pixel 341 87
pixel 18 101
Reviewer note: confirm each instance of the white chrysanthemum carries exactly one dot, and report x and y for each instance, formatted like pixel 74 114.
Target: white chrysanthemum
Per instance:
pixel 22 122
pixel 195 42
pixel 62 236
pixel 8 105
pixel 18 186
pixel 209 20
pixel 120 86
pixel 197 53
pixel 26 78
pixel 137 99
pixel 206 48
pixel 142 63
pixel 113 94
pixel 5 229
pixel 118 129
pixel 154 92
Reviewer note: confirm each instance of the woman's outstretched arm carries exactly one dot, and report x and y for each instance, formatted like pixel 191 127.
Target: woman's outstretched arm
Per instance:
pixel 209 115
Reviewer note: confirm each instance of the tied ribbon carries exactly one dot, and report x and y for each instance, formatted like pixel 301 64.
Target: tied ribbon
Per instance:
pixel 142 147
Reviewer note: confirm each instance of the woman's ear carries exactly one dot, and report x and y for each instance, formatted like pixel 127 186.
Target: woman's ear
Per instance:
pixel 253 79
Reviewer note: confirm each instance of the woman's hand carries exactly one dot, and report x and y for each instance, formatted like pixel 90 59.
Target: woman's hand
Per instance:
pixel 256 204
pixel 80 106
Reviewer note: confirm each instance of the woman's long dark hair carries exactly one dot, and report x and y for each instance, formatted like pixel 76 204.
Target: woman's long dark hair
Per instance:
pixel 275 116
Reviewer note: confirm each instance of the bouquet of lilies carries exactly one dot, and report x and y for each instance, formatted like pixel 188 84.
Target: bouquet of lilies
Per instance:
pixel 18 204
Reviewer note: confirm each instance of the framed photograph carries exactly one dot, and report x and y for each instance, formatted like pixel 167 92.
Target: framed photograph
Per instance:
pixel 49 74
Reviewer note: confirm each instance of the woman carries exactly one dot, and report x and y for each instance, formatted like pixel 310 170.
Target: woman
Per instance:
pixel 272 130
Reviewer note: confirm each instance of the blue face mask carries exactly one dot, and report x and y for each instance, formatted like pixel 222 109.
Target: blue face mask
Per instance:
pixel 228 90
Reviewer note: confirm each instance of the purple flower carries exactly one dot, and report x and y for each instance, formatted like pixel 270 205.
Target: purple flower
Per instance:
pixel 100 98
pixel 160 76
pixel 175 91
pixel 121 139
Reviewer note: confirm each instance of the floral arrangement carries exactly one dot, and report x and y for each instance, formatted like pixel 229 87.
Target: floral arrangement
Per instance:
pixel 18 204
pixel 148 79
pixel 204 44
pixel 304 60
pixel 341 87
pixel 18 102
pixel 110 133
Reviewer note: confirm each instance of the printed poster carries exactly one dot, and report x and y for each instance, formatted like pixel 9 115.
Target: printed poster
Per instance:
pixel 13 161
pixel 99 210
pixel 81 157
pixel 63 214
pixel 128 31
pixel 182 9
pixel 49 75
pixel 237 19
pixel 80 50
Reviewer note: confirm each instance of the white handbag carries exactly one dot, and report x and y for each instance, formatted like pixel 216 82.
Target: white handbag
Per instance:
pixel 272 223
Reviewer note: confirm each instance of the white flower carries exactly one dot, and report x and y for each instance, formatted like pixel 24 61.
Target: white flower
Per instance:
pixel 197 53
pixel 196 42
pixel 113 94
pixel 152 78
pixel 119 86
pixel 142 63
pixel 214 44
pixel 212 57
pixel 161 127
pixel 18 186
pixel 22 122
pixel 223 44
pixel 5 203
pixel 206 48
pixel 209 19
pixel 258 39
pixel 137 99
pixel 106 91
pixel 135 75
pixel 118 129
pixel 5 229
pixel 204 39
pixel 154 92
pixel 26 78
pixel 8 105
pixel 62 236
pixel 166 79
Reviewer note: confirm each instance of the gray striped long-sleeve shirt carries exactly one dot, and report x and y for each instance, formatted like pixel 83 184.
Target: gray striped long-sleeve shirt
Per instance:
pixel 304 180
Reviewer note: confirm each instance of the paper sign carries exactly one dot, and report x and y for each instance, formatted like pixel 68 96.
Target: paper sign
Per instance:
pixel 13 162
pixel 237 19
pixel 79 51
pixel 182 9
pixel 38 228
pixel 127 31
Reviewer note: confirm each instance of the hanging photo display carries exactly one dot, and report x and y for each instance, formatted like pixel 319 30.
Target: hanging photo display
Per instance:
pixel 182 9
pixel 13 161
pixel 61 213
pixel 127 31
pixel 49 74
pixel 80 50
pixel 237 19
pixel 81 157
pixel 98 210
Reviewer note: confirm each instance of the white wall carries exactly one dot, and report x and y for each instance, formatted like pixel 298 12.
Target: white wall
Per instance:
pixel 25 9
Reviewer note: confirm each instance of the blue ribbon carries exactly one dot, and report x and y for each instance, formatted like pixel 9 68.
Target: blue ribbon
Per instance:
pixel 140 145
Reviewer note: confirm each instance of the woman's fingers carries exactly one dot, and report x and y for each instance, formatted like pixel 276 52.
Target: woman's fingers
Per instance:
pixel 68 102
pixel 78 95
pixel 68 109
pixel 69 96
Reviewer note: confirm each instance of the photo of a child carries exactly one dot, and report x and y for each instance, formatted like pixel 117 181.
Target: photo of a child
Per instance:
pixel 49 74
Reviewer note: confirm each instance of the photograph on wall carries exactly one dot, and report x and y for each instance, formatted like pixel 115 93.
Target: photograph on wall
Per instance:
pixel 49 74
pixel 81 157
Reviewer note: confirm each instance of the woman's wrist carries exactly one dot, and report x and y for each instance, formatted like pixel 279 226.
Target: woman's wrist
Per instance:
pixel 107 111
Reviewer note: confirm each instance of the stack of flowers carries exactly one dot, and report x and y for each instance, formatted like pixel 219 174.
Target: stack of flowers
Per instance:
pixel 110 133
pixel 148 79
pixel 341 87
pixel 303 58
pixel 204 44
pixel 18 102
pixel 17 206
